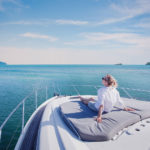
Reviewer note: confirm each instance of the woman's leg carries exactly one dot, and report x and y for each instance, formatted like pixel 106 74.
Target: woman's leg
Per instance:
pixel 86 100
pixel 91 105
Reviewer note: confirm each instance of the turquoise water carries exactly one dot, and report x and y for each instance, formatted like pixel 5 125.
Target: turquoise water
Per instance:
pixel 17 81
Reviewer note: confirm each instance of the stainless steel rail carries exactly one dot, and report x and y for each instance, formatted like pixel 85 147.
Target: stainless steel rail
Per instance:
pixel 23 109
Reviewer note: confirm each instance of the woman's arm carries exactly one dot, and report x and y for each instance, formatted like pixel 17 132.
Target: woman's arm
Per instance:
pixel 88 99
pixel 99 116
pixel 128 109
pixel 122 103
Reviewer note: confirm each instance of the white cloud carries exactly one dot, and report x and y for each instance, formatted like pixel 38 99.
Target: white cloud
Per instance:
pixel 14 55
pixel 113 20
pixel 14 2
pixel 46 22
pixel 39 36
pixel 17 3
pixel 1 5
pixel 100 38
pixel 132 8
pixel 23 22
pixel 143 25
pixel 127 9
pixel 42 22
pixel 72 22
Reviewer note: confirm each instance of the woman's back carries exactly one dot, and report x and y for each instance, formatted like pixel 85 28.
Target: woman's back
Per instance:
pixel 108 97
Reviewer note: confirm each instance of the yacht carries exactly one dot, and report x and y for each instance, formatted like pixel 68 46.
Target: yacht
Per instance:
pixel 63 122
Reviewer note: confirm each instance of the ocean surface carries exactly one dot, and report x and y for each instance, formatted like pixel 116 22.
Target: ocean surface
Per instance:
pixel 18 81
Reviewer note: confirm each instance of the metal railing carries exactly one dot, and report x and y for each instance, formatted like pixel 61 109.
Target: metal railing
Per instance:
pixel 23 109
pixel 75 87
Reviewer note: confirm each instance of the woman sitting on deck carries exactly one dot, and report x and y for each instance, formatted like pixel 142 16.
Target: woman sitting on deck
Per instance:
pixel 108 96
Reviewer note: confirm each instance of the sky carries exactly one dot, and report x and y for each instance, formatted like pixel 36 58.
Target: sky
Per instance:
pixel 75 31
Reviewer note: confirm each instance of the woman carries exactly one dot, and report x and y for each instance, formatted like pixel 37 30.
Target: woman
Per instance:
pixel 108 97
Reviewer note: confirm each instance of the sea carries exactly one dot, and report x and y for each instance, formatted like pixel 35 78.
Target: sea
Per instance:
pixel 20 81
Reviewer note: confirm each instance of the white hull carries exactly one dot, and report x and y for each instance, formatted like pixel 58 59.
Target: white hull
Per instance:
pixel 54 134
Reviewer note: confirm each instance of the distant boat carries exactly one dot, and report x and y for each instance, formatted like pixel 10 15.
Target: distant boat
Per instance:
pixel 119 64
pixel 148 63
pixel 2 63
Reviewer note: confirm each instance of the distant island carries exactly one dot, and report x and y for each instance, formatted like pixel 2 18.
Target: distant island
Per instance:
pixel 119 64
pixel 2 63
pixel 148 63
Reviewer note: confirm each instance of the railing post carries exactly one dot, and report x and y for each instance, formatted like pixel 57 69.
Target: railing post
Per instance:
pixel 76 89
pixel 46 93
pixel 127 93
pixel 35 99
pixel 13 111
pixel 95 87
pixel 22 116
pixel 0 134
pixel 59 90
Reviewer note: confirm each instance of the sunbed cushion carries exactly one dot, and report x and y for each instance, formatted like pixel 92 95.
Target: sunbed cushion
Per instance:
pixel 80 119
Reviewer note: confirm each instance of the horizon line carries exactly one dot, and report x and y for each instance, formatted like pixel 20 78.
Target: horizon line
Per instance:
pixel 117 64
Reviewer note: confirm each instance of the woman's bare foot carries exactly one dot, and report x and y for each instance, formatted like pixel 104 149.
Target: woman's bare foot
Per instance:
pixel 82 98
pixel 85 102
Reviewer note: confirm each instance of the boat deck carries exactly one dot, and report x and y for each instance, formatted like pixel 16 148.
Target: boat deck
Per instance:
pixel 55 134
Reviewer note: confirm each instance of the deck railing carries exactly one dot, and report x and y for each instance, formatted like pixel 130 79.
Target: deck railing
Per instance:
pixel 22 103
pixel 59 92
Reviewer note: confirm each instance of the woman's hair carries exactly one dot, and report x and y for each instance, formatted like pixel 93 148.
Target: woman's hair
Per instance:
pixel 110 80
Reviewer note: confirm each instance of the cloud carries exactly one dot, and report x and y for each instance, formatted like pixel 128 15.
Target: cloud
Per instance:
pixel 1 5
pixel 26 22
pixel 113 20
pixel 124 9
pixel 21 22
pixel 72 22
pixel 39 36
pixel 41 22
pixel 53 55
pixel 46 22
pixel 14 2
pixel 143 25
pixel 127 10
pixel 105 39
pixel 132 8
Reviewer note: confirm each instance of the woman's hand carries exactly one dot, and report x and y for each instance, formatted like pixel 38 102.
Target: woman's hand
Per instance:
pixel 98 119
pixel 129 109
pixel 99 116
